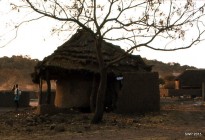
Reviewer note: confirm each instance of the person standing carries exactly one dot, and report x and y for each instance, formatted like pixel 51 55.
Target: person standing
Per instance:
pixel 17 94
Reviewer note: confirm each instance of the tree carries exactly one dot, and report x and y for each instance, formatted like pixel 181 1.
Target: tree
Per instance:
pixel 133 23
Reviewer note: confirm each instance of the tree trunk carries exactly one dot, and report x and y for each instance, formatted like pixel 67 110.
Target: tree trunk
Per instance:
pixel 100 97
pixel 40 92
pixel 48 95
pixel 103 83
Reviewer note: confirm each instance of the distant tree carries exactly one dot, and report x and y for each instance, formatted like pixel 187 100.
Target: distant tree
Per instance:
pixel 135 23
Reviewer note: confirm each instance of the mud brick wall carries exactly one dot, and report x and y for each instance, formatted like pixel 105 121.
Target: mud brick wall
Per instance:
pixel 44 94
pixel 164 92
pixel 7 99
pixel 185 92
pixel 33 95
pixel 139 93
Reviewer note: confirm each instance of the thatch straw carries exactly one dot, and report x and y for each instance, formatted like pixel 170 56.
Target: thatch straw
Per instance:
pixel 79 54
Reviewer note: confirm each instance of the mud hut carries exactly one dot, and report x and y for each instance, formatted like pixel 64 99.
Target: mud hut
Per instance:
pixel 74 67
pixel 190 79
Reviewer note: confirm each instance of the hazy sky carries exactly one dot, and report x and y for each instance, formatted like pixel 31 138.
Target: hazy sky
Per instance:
pixel 35 40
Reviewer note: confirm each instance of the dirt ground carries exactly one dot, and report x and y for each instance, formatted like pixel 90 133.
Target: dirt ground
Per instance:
pixel 182 119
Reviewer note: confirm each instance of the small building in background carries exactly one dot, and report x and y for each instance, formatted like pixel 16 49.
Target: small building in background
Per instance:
pixel 190 83
pixel 190 79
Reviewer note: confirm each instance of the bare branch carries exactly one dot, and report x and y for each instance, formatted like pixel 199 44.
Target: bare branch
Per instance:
pixel 149 25
pixel 16 28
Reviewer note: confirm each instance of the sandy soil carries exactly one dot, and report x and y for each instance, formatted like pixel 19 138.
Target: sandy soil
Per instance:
pixel 178 119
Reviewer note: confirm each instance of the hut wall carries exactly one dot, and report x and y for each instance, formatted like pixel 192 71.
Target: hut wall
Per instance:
pixel 176 84
pixel 74 92
pixel 184 92
pixel 7 99
pixel 164 92
pixel 33 94
pixel 44 94
pixel 140 93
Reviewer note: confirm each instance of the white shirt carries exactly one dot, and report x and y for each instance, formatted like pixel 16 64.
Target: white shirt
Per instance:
pixel 15 92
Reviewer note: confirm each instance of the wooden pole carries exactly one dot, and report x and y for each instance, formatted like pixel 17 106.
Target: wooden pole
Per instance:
pixel 48 95
pixel 48 99
pixel 203 91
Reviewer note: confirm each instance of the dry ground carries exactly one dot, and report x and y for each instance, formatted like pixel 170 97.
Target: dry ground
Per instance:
pixel 178 119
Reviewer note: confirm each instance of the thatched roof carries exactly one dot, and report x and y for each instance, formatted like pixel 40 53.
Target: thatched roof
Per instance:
pixel 192 78
pixel 79 54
